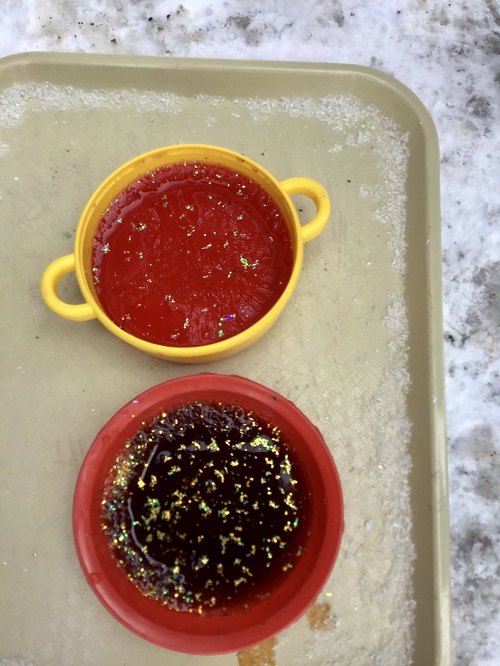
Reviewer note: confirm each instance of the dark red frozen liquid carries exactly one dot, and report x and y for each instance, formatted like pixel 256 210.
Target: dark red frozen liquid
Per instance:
pixel 206 507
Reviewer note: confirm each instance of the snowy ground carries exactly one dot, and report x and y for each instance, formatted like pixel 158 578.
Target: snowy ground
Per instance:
pixel 449 55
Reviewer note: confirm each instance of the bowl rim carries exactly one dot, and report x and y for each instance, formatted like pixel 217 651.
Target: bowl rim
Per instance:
pixel 217 634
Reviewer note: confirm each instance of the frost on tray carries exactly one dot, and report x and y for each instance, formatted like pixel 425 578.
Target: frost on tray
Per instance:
pixel 21 97
pixel 366 424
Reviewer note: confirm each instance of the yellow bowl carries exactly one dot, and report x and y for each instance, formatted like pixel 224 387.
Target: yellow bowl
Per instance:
pixel 81 260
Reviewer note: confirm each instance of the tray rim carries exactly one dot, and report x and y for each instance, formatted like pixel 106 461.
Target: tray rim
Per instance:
pixel 434 296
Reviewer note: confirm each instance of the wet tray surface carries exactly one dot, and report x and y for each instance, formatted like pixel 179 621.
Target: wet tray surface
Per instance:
pixel 358 348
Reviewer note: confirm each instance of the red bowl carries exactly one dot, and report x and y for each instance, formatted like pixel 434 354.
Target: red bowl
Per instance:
pixel 210 633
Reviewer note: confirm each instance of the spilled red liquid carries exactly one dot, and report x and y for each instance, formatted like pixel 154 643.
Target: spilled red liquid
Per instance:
pixel 191 254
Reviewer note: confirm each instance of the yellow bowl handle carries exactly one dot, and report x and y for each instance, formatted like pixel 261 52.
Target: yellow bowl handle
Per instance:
pixel 50 282
pixel 312 189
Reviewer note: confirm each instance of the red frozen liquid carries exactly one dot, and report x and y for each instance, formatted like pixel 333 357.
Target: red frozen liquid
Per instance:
pixel 190 254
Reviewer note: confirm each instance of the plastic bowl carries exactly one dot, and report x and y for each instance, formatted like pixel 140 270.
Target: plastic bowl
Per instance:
pixel 294 592
pixel 81 260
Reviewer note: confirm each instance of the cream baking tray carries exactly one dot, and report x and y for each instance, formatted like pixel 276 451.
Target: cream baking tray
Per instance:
pixel 358 348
